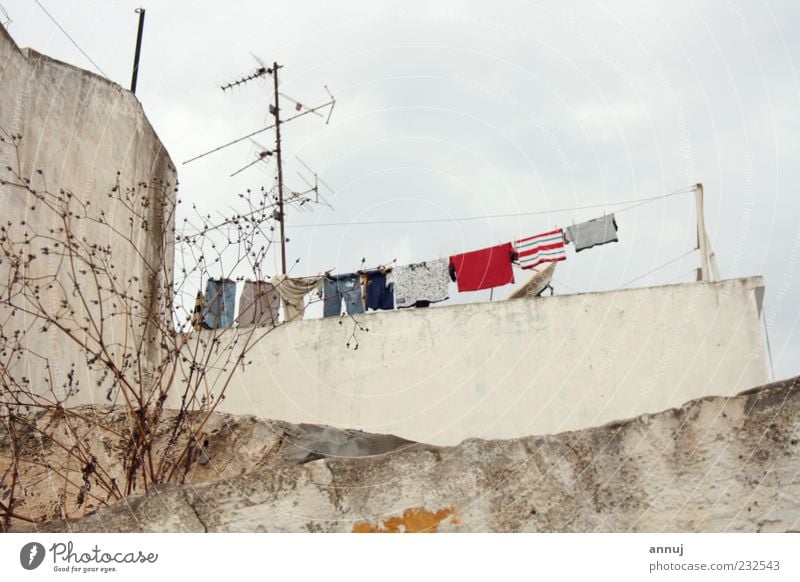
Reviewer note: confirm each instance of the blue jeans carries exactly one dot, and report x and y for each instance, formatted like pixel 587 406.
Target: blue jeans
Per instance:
pixel 347 287
pixel 220 302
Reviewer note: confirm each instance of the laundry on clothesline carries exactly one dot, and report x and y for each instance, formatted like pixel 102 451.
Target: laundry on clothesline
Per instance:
pixel 259 304
pixel 342 288
pixel 540 248
pixel 197 313
pixel 424 281
pixel 379 291
pixel 293 291
pixel 412 285
pixel 219 304
pixel 484 268
pixel 598 231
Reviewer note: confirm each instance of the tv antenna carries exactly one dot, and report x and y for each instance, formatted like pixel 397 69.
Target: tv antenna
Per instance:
pixel 318 198
pixel 263 153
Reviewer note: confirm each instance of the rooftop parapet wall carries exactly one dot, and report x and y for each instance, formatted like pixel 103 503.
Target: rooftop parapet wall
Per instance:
pixel 511 368
pixel 84 134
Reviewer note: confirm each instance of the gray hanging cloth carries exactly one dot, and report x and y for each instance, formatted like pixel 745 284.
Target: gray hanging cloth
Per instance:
pixel 259 304
pixel 598 231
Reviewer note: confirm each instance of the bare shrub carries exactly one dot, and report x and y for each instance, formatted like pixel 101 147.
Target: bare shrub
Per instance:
pixel 93 310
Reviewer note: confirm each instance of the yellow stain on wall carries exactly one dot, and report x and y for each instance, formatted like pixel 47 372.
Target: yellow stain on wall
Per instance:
pixel 413 520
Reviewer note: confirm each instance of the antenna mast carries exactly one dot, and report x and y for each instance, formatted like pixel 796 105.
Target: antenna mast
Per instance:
pixel 275 110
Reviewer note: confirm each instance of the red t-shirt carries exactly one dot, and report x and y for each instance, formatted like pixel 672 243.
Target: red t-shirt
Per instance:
pixel 484 269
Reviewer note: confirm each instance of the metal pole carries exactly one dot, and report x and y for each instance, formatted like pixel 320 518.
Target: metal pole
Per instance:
pixel 277 113
pixel 702 237
pixel 135 75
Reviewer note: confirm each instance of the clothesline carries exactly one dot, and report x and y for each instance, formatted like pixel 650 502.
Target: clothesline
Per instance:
pixel 404 286
pixel 668 263
pixel 561 283
pixel 634 203
pixel 421 284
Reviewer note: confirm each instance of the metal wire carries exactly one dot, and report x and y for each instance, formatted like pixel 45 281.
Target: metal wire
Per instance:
pixel 83 52
pixel 686 254
pixel 633 204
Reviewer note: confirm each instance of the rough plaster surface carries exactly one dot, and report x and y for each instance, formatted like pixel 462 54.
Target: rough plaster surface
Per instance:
pixel 80 133
pixel 715 464
pixel 227 448
pixel 508 369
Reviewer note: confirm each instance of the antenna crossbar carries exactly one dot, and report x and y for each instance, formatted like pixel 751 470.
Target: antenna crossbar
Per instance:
pixel 262 130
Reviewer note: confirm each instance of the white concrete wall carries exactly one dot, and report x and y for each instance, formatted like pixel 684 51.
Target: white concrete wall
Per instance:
pixel 83 133
pixel 511 368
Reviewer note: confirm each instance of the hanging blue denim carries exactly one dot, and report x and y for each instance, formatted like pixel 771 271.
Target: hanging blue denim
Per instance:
pixel 342 287
pixel 220 301
pixel 379 295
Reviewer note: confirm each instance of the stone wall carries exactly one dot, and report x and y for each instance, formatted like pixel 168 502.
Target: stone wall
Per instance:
pixel 713 465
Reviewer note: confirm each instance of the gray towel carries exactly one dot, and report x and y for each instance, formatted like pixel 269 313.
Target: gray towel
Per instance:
pixel 593 232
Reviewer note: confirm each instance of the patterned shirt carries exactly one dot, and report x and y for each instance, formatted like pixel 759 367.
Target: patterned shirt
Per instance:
pixel 425 281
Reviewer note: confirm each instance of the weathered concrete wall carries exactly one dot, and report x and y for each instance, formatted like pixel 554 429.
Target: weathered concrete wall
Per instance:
pixel 83 133
pixel 509 369
pixel 713 465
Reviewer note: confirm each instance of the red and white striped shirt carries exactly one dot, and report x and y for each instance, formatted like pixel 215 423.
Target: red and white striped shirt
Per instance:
pixel 547 247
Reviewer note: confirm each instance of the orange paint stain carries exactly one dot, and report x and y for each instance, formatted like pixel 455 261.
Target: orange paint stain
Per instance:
pixel 413 520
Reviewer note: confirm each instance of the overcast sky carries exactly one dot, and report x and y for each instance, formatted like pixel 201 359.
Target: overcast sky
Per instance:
pixel 473 109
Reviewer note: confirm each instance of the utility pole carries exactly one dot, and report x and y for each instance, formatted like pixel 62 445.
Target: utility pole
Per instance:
pixel 135 76
pixel 276 111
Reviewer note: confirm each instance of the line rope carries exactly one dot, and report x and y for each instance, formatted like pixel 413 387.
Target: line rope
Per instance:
pixel 633 204
pixel 686 254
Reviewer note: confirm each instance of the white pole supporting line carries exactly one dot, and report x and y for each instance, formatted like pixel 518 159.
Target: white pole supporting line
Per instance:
pixel 702 237
pixel 713 260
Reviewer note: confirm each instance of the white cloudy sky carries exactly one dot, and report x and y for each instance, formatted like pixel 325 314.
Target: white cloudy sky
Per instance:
pixel 472 109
